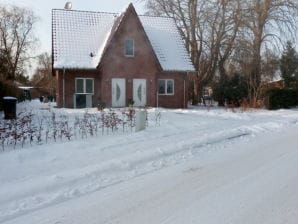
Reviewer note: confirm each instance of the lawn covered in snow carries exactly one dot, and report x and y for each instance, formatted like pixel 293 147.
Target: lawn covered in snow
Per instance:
pixel 38 177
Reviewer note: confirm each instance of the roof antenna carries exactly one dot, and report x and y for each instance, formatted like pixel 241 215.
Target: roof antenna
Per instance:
pixel 68 6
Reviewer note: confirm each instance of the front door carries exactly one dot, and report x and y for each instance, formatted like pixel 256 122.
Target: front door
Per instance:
pixel 118 92
pixel 139 92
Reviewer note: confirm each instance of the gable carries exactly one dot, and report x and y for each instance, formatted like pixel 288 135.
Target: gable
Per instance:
pixel 129 28
pixel 80 38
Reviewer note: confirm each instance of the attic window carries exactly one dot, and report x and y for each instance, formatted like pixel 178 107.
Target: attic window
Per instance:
pixel 129 48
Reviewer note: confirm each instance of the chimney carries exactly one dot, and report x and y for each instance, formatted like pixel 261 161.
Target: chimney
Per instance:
pixel 68 6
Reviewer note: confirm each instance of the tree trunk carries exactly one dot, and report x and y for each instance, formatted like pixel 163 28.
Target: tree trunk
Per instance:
pixel 222 82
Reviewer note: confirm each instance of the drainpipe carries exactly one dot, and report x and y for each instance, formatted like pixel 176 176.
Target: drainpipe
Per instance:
pixel 184 92
pixel 63 90
pixel 184 88
pixel 157 99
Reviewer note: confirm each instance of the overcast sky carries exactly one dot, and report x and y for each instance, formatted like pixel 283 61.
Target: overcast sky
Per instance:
pixel 43 10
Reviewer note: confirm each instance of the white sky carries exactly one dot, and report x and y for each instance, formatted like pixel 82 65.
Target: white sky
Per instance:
pixel 43 10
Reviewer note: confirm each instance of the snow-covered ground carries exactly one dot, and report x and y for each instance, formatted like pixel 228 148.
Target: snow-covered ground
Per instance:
pixel 197 166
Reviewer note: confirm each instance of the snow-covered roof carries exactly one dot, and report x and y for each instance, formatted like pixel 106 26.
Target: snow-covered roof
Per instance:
pixel 79 39
pixel 77 35
pixel 167 43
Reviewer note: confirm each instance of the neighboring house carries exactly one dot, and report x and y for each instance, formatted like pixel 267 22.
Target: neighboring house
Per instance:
pixel 276 81
pixel 116 58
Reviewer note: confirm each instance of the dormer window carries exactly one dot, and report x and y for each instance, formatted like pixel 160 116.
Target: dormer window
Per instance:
pixel 129 48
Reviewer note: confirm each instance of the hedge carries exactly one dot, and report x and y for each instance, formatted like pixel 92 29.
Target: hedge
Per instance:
pixel 281 98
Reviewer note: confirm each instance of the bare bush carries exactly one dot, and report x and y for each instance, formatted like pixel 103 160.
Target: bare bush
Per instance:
pixel 49 127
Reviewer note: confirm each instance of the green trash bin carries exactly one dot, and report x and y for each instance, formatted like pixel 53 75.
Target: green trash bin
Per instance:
pixel 9 107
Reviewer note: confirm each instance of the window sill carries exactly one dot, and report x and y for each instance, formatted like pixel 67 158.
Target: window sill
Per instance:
pixel 166 94
pixel 84 93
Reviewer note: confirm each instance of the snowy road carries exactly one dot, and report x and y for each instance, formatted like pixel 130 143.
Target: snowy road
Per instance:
pixel 251 182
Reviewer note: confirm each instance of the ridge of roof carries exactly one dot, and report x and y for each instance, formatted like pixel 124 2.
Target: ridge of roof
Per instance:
pixel 110 13
pixel 77 10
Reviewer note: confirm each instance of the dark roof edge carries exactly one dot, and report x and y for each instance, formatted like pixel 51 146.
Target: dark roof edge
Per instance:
pixel 73 68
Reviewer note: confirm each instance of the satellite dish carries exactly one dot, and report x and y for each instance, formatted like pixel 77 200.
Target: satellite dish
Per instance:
pixel 68 5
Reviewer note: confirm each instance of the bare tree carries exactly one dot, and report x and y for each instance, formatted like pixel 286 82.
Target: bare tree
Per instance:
pixel 267 22
pixel 236 32
pixel 42 77
pixel 209 29
pixel 269 65
pixel 16 38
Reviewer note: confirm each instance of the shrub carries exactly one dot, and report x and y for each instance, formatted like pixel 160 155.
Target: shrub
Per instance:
pixel 49 126
pixel 101 105
pixel 281 98
pixel 231 91
pixel 130 102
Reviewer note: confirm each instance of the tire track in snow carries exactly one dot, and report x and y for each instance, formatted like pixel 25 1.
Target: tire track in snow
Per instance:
pixel 118 170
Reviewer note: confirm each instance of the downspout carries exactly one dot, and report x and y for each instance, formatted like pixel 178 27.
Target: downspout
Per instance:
pixel 157 99
pixel 63 88
pixel 184 91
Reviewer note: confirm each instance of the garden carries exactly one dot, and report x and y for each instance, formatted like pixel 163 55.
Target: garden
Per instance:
pixel 43 124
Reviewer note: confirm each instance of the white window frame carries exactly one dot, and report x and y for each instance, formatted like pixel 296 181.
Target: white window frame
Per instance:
pixel 133 48
pixel 166 89
pixel 84 86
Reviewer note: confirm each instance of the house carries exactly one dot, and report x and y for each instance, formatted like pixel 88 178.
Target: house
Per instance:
pixel 116 58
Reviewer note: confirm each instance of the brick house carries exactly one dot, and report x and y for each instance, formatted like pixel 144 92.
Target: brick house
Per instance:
pixel 114 58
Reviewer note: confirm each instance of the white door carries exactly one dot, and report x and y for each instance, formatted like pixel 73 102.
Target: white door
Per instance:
pixel 139 92
pixel 118 92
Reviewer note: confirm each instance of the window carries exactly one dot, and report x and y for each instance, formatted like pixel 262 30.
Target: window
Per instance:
pixel 129 48
pixel 84 86
pixel 166 87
